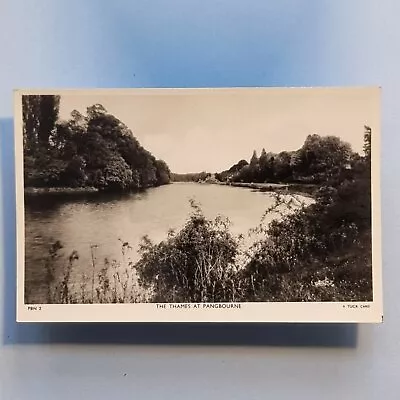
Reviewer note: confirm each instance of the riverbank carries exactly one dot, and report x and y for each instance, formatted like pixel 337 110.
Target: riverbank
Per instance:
pixel 259 186
pixel 59 190
pixel 32 191
pixel 292 188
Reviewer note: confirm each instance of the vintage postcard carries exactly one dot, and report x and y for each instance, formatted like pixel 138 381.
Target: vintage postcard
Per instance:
pixel 198 205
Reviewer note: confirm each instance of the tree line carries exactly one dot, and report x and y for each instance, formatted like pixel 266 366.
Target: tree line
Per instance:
pixel 190 177
pixel 321 158
pixel 93 150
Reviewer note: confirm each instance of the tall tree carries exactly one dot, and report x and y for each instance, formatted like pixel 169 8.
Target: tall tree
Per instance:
pixel 264 170
pixel 48 116
pixel 254 159
pixel 30 118
pixel 282 166
pixel 263 159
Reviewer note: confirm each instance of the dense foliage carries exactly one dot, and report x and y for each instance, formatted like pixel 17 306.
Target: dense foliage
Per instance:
pixel 321 252
pixel 320 158
pixel 95 150
pixel 196 264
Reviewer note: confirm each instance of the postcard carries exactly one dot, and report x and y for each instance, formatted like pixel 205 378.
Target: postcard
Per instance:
pixel 198 205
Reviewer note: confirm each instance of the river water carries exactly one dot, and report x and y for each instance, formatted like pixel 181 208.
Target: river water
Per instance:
pixel 108 220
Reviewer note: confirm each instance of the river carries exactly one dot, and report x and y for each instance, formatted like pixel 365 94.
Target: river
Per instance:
pixel 80 221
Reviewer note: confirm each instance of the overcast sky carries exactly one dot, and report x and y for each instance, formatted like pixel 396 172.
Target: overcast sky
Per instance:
pixel 211 130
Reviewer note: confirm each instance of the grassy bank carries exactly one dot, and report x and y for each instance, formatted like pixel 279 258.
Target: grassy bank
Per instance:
pixel 59 190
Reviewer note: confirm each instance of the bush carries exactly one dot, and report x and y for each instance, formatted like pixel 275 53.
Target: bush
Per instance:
pixel 195 265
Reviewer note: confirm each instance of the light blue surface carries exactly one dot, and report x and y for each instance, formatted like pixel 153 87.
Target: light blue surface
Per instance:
pixel 95 43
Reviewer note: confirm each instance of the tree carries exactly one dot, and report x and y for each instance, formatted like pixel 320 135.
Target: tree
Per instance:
pixel 263 158
pixel 163 173
pixel 254 159
pixel 254 168
pixel 70 135
pixel 48 116
pixel 74 174
pixel 30 118
pixel 263 164
pixel 270 168
pixel 95 111
pixel 266 167
pixel 244 175
pixel 231 172
pixel 322 157
pixel 95 149
pixel 282 166
pixel 39 116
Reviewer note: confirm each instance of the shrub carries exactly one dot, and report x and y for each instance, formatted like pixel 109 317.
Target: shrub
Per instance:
pixel 195 265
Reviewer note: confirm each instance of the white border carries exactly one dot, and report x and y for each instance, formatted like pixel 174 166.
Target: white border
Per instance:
pixel 335 312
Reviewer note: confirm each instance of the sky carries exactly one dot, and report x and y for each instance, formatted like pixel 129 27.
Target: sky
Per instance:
pixel 211 129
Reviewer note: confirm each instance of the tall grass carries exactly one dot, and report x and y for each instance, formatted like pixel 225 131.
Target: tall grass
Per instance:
pixel 109 281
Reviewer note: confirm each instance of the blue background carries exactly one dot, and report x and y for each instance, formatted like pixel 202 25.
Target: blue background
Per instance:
pixel 179 43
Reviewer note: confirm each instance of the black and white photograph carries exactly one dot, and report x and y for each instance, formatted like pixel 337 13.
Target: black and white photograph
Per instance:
pixel 216 199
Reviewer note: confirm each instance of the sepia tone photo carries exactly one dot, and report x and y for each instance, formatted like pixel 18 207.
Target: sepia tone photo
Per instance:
pixel 218 197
